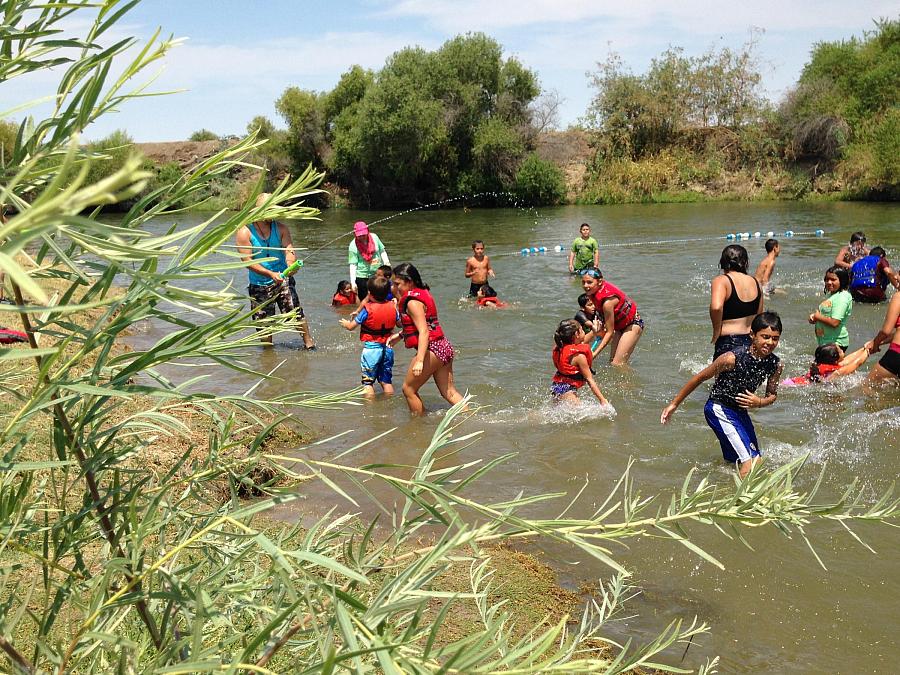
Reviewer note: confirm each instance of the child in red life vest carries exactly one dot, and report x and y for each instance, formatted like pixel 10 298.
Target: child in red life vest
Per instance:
pixel 422 331
pixel 344 295
pixel 620 315
pixel 572 359
pixel 487 297
pixel 830 363
pixel 377 321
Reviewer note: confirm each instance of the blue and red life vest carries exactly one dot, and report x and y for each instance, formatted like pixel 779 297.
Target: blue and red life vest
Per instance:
pixel 566 371
pixel 380 322
pixel 408 328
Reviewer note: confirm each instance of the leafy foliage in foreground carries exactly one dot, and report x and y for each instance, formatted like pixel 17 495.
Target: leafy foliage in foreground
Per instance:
pixel 105 565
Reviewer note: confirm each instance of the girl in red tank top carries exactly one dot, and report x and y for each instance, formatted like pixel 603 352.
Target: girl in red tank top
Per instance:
pixel 422 331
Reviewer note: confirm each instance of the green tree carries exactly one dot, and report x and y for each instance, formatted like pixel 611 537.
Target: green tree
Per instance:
pixel 430 125
pixel 540 182
pixel 304 113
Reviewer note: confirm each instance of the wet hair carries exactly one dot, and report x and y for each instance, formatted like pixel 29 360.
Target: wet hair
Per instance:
pixel 408 272
pixel 476 242
pixel 583 300
pixel 487 292
pixel 826 355
pixel 877 250
pixel 566 332
pixel 378 288
pixel 859 235
pixel 342 284
pixel 592 271
pixel 386 270
pixel 771 244
pixel 768 320
pixel 734 259
pixel 842 274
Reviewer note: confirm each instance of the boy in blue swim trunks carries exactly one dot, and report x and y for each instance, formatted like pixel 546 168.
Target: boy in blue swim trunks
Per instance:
pixel 738 375
pixel 377 321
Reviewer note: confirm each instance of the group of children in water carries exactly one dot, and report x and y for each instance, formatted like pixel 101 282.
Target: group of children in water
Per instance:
pixel 744 335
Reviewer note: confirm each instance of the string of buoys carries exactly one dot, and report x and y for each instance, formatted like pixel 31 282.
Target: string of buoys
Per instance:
pixel 731 236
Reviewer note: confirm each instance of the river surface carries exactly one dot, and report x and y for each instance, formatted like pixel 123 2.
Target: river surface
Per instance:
pixel 773 609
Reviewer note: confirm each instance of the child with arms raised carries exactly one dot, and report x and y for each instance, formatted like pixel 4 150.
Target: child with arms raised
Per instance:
pixel 738 375
pixel 376 321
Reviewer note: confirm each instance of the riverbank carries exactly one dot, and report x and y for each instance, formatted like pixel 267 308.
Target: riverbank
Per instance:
pixel 527 588
pixel 674 175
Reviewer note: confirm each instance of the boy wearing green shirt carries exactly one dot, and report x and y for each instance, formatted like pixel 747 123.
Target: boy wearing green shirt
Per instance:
pixel 585 252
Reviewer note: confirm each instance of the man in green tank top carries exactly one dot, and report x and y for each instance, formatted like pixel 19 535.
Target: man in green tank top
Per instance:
pixel 585 251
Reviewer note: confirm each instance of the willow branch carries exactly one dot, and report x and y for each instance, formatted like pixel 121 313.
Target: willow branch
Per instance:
pixel 90 478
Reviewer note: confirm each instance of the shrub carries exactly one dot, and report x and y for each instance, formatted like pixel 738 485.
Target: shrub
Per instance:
pixel 203 135
pixel 540 182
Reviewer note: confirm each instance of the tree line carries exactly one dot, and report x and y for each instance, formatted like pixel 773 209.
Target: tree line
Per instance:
pixel 463 120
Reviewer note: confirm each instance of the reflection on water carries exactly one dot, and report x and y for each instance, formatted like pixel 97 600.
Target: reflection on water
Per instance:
pixel 774 609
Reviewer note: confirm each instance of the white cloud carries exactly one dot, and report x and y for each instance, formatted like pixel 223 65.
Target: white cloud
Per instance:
pixel 699 16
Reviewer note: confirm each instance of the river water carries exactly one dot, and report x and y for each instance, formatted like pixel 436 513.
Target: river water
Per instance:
pixel 773 609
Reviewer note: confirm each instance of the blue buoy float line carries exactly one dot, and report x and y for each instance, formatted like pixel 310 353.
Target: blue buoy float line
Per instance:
pixel 731 236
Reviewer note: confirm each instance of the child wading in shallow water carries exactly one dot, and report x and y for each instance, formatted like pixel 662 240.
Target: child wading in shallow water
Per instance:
pixel 478 268
pixel 572 359
pixel 422 331
pixel 738 375
pixel 377 321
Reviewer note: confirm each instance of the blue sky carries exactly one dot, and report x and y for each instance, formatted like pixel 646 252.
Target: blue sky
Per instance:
pixel 240 55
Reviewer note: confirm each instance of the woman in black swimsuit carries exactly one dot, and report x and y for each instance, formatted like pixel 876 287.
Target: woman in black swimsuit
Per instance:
pixel 731 314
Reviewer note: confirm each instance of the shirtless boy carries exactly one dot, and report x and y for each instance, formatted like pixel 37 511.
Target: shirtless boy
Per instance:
pixel 478 268
pixel 767 265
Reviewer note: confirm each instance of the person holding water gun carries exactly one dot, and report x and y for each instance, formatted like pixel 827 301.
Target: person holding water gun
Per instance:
pixel 271 281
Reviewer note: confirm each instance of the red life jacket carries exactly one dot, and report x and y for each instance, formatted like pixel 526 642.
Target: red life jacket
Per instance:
pixel 566 371
pixel 380 322
pixel 408 328
pixel 341 299
pixel 625 310
pixel 484 301
pixel 825 369
pixel 9 336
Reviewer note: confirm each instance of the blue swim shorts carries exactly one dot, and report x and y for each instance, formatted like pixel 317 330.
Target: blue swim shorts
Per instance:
pixel 376 363
pixel 735 431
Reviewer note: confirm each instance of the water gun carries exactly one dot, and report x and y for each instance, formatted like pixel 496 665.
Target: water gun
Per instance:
pixel 292 269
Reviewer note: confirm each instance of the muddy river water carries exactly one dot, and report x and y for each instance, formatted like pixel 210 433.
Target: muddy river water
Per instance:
pixel 773 609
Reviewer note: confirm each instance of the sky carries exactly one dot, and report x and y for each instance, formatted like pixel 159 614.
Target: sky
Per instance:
pixel 240 55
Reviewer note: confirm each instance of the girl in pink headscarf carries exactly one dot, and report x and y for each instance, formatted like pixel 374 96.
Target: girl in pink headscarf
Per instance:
pixel 365 255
